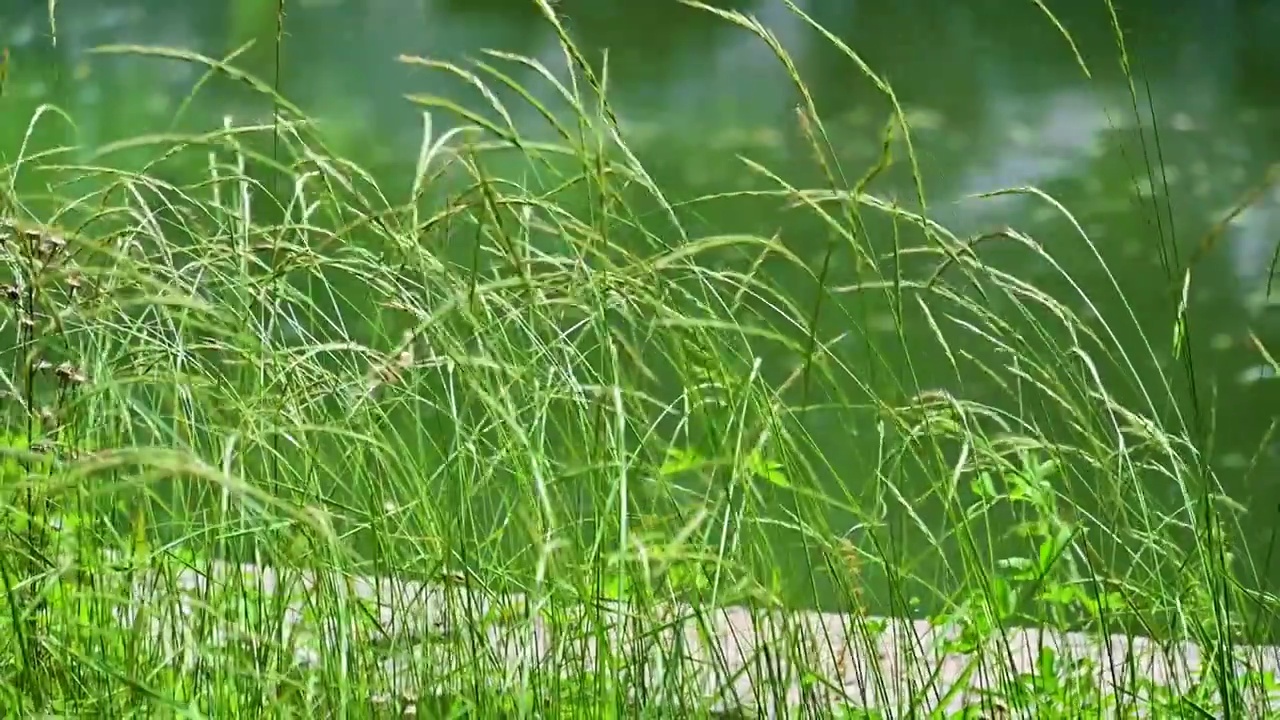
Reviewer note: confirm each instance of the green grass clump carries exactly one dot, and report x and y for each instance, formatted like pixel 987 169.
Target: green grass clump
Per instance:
pixel 513 440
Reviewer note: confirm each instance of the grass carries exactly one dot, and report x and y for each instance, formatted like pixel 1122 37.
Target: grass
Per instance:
pixel 503 447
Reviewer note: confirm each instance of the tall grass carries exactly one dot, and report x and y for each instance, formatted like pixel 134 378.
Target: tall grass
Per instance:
pixel 286 441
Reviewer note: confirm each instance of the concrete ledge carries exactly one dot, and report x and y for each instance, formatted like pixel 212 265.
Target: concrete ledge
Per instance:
pixel 738 657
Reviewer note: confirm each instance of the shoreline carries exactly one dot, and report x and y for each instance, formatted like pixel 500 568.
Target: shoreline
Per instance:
pixel 740 658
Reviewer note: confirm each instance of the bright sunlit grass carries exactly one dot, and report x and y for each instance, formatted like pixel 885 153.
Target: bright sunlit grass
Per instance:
pixel 501 444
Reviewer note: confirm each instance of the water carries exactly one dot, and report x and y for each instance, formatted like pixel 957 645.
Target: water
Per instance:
pixel 995 93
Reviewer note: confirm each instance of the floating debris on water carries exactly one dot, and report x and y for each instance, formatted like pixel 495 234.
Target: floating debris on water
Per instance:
pixel 1143 188
pixel 858 116
pixel 739 138
pixel 1234 461
pixel 923 119
pixel 1044 214
pixel 1021 134
pixel 1182 122
pixel 1257 373
pixel 1261 299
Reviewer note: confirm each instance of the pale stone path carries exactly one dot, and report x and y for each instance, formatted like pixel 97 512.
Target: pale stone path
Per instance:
pixel 739 657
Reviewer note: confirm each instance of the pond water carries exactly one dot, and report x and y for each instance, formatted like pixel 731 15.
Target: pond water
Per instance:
pixel 996 95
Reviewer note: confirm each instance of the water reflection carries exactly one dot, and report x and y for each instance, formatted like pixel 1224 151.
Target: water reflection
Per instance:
pixel 996 97
pixel 1033 138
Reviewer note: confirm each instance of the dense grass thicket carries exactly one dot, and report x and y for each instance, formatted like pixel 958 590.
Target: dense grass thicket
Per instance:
pixel 478 440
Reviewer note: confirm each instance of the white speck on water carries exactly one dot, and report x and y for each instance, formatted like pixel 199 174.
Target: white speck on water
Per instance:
pixel 1257 373
pixel 22 35
pixel 1182 122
